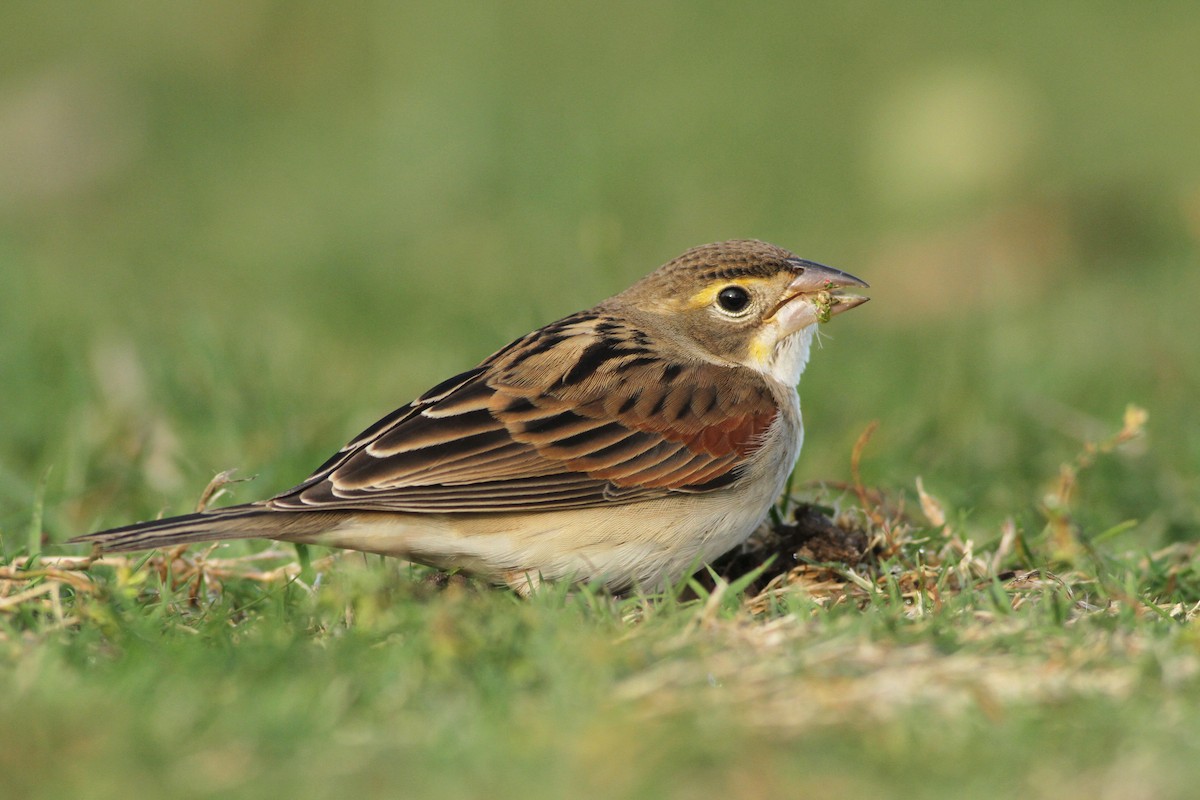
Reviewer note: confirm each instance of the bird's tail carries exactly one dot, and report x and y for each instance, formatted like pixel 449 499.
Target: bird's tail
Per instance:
pixel 250 521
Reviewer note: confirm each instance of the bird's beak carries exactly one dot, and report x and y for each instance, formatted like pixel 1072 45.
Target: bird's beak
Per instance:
pixel 815 295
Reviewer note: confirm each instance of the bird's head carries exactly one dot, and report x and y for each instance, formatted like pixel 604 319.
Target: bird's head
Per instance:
pixel 744 302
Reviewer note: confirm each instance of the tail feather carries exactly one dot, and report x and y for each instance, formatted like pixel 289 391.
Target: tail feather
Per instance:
pixel 249 521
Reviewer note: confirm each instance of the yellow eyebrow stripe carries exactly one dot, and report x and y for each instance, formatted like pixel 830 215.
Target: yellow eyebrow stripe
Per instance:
pixel 705 296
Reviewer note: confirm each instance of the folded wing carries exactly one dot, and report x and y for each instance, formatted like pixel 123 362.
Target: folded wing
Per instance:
pixel 580 413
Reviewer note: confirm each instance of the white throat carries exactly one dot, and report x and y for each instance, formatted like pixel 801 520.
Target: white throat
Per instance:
pixel 791 356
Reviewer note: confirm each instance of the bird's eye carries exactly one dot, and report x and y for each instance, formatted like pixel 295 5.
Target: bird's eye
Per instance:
pixel 733 299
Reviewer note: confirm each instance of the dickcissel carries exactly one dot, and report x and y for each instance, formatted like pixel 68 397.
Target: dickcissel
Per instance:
pixel 623 445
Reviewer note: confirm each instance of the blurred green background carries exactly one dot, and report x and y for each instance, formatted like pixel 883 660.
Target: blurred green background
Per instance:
pixel 235 233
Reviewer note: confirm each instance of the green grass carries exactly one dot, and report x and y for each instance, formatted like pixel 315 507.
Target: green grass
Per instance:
pixel 232 236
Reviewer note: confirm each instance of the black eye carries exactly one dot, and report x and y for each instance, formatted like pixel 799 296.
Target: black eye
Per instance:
pixel 733 299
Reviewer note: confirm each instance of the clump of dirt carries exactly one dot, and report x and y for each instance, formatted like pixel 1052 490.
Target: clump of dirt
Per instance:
pixel 813 535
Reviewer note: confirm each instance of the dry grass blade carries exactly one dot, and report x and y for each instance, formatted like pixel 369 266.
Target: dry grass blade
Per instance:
pixel 64 570
pixel 52 573
pixel 216 488
pixel 856 454
pixel 43 600
pixel 1057 503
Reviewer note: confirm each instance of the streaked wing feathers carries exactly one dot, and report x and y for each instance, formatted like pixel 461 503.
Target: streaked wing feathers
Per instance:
pixel 580 413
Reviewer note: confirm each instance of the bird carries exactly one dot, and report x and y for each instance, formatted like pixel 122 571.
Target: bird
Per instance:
pixel 625 445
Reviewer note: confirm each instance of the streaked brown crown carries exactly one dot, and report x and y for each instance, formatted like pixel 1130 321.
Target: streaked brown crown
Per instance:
pixel 736 258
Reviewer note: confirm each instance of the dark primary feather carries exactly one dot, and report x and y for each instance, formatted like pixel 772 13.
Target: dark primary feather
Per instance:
pixel 235 522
